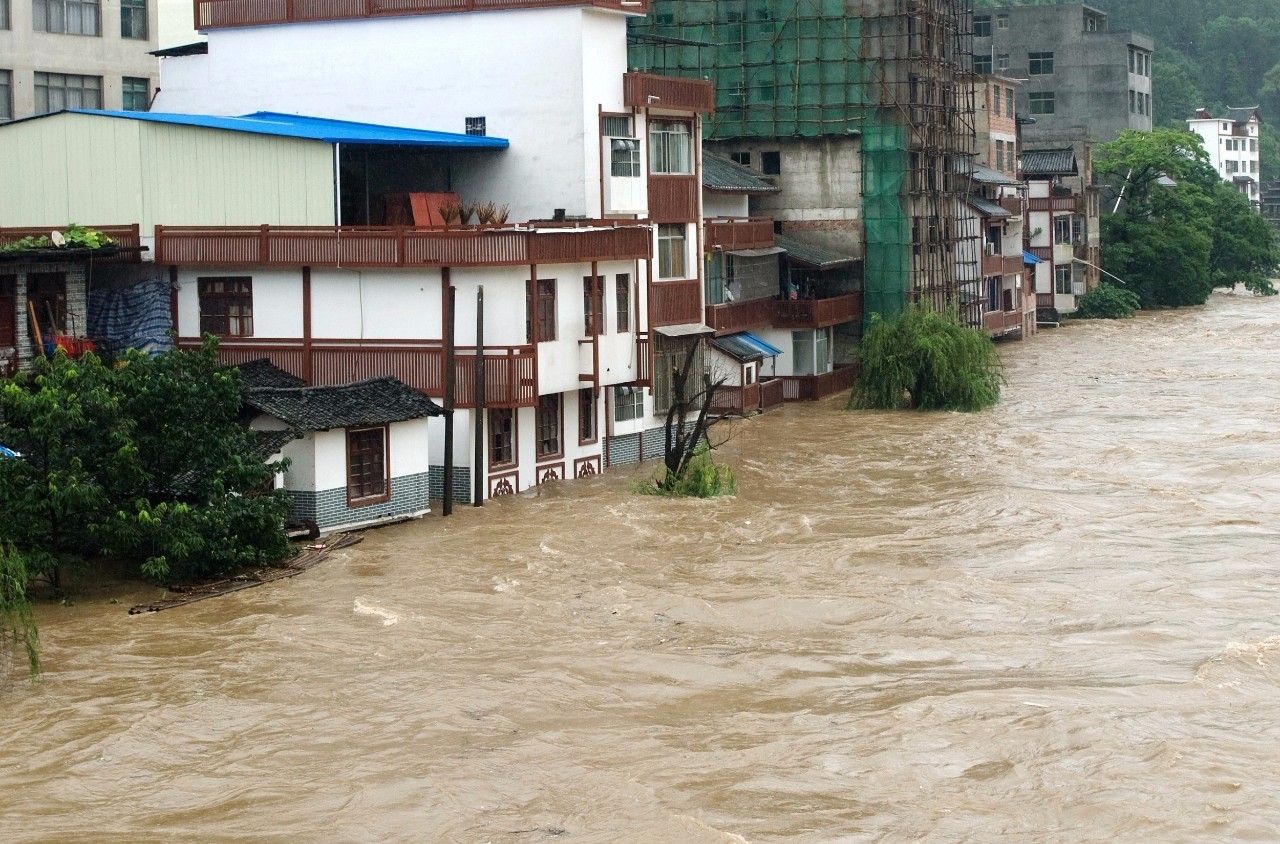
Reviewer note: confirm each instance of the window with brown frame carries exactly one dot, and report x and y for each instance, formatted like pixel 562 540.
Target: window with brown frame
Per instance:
pixel 502 437
pixel 622 294
pixel 543 309
pixel 593 306
pixel 47 293
pixel 587 413
pixel 226 306
pixel 367 480
pixel 549 440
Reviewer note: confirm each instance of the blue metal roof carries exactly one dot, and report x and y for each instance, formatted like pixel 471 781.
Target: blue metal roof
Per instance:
pixel 767 349
pixel 745 347
pixel 1028 258
pixel 313 129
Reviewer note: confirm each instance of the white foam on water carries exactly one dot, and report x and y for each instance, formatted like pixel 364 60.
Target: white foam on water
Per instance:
pixel 388 617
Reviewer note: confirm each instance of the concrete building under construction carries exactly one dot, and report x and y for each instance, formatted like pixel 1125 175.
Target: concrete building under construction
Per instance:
pixel 862 112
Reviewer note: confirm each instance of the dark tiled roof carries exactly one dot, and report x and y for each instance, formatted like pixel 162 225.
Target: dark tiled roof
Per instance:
pixel 1242 115
pixel 373 402
pixel 722 174
pixel 983 174
pixel 811 254
pixel 267 443
pixel 1048 162
pixel 987 208
pixel 261 372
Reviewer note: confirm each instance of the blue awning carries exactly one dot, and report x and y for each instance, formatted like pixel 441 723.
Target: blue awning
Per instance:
pixel 745 347
pixel 767 349
pixel 1028 258
pixel 8 452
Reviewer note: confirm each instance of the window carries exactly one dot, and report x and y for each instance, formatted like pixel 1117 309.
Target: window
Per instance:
pixel 1133 60
pixel 771 163
pixel 622 301
pixel 743 158
pixel 367 480
pixel 1002 62
pixel 226 306
pixel 671 250
pixel 982 26
pixel 628 403
pixel 616 126
pixel 802 352
pixel 999 155
pixel 995 101
pixel 56 91
pixel 593 306
pixel 587 415
pixel 624 158
pixel 502 437
pixel 47 295
pixel 1062 230
pixel 982 63
pixel 1142 105
pixel 1042 102
pixel 133 94
pixel 475 125
pixel 133 19
pixel 1040 64
pixel 6 93
pixel 1002 21
pixel 4 14
pixel 1062 280
pixel 549 426
pixel 1008 102
pixel 71 17
pixel 1148 97
pixel 1133 102
pixel 1253 145
pixel 670 147
pixel 541 309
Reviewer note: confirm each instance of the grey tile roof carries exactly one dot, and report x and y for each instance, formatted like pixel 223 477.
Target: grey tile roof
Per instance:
pixel 987 208
pixel 983 174
pixel 261 372
pixel 376 401
pixel 1048 162
pixel 811 254
pixel 1242 115
pixel 722 174
pixel 267 443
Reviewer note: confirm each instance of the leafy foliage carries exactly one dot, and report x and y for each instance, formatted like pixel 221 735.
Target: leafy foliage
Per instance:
pixel 702 478
pixel 1106 301
pixel 144 461
pixel 16 620
pixel 928 361
pixel 73 237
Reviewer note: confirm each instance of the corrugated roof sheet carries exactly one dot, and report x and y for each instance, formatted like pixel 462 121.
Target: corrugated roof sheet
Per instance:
pixel 983 174
pixel 723 174
pixel 376 401
pixel 811 254
pixel 1028 258
pixel 745 347
pixel 305 128
pixel 1048 162
pixel 987 208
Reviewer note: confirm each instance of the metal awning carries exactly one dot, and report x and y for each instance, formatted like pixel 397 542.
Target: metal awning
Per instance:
pixel 1028 258
pixel 987 208
pixel 684 329
pixel 755 253
pixel 745 347
pixel 811 255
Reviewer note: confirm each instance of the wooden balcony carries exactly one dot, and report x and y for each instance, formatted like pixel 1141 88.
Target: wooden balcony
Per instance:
pixel 818 313
pixel 510 371
pixel 999 264
pixel 1014 205
pixel 320 246
pixel 1057 203
pixel 1002 322
pixel 126 237
pixel 644 359
pixel 738 233
pixel 220 14
pixel 673 93
pixel 730 400
pixel 675 302
pixel 673 199
pixel 814 387
pixel 740 316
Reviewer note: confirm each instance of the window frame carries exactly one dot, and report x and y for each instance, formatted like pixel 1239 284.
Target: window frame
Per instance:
pixel 1058 279
pixel 129 88
pixel 588 416
pixel 622 302
pixel 671 147
pixel 982 26
pixel 204 294
pixel 1040 63
pixel 1042 102
pixel 355 498
pixel 540 308
pixel 40 17
pixel 502 444
pixel 593 308
pixel 1062 231
pixel 668 252
pixel 548 421
pixel 42 85
pixel 134 26
pixel 633 403
pixel 6 92
pixel 49 300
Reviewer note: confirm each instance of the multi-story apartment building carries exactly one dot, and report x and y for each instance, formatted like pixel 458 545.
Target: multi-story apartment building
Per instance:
pixel 1232 144
pixel 57 54
pixel 1083 81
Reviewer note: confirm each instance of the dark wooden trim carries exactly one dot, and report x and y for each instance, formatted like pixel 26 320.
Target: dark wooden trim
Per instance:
pixel 386 467
pixel 306 324
pixel 224 14
pixel 515 437
pixel 560 431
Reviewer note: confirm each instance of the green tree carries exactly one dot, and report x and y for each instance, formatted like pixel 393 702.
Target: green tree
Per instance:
pixel 928 361
pixel 1177 92
pixel 1107 301
pixel 16 619
pixel 1234 56
pixel 1245 247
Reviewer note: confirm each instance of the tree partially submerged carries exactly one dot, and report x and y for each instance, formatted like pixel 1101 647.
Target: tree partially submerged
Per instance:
pixel 688 469
pixel 926 360
pixel 1107 301
pixel 17 623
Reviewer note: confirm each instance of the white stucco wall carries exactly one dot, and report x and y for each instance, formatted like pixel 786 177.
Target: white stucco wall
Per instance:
pixel 724 204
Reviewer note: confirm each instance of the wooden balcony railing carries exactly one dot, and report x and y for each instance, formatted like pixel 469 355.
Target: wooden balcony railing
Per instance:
pixel 510 371
pixel 818 313
pixel 218 14
pixel 732 399
pixel 675 302
pixel 673 199
pixel 814 387
pixel 674 93
pixel 127 237
pixel 992 265
pixel 1056 203
pixel 740 316
pixel 738 233
pixel 999 322
pixel 644 359
pixel 320 246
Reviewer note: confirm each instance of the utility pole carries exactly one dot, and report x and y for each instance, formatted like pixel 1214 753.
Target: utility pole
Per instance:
pixel 477 460
pixel 450 391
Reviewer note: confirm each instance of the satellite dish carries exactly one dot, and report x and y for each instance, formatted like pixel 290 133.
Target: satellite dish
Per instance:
pixel 57 239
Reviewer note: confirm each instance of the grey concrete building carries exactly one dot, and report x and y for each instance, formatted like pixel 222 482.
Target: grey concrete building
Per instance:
pixel 57 54
pixel 1084 82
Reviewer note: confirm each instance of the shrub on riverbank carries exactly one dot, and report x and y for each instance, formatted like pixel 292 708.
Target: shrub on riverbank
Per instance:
pixel 1106 301
pixel 928 361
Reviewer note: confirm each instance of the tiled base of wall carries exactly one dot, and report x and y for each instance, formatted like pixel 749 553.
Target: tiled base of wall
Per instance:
pixel 461 484
pixel 328 507
pixel 632 448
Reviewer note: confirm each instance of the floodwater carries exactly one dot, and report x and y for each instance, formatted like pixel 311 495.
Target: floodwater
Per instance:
pixel 1055 621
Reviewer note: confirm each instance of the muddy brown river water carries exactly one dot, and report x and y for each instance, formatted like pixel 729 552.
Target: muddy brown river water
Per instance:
pixel 1055 621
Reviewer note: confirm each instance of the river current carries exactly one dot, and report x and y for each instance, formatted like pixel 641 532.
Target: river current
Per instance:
pixel 1058 620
